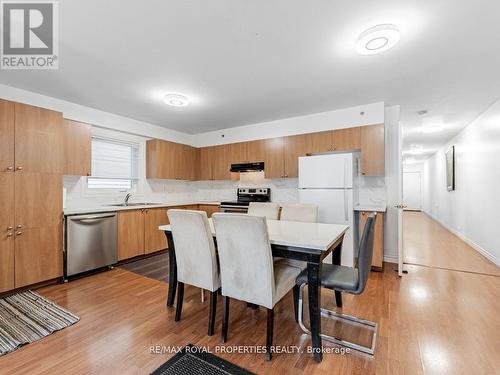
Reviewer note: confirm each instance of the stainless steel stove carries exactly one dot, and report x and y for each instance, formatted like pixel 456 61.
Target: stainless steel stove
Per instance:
pixel 244 197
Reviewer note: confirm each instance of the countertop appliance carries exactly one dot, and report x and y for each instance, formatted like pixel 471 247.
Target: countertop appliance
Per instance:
pixel 331 181
pixel 244 197
pixel 90 242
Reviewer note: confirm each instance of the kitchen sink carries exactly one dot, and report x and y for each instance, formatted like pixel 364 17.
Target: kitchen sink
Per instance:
pixel 134 204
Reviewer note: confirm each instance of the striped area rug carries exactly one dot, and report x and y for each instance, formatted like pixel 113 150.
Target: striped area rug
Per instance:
pixel 26 317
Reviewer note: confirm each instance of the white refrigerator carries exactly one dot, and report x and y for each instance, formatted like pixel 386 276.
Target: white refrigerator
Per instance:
pixel 331 181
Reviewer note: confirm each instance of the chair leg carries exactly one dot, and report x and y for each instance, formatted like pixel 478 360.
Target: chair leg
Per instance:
pixel 180 298
pixel 372 326
pixel 213 311
pixel 225 318
pixel 296 301
pixel 269 336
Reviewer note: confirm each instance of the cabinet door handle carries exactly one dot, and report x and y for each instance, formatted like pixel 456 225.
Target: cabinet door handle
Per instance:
pixel 19 168
pixel 19 233
pixel 10 168
pixel 19 226
pixel 10 234
pixel 10 228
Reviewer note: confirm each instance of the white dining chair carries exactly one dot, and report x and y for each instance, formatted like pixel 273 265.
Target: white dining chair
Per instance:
pixel 247 270
pixel 303 212
pixel 195 256
pixel 268 210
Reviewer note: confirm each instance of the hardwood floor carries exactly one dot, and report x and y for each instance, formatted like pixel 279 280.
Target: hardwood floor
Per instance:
pixel 428 243
pixel 431 321
pixel 154 266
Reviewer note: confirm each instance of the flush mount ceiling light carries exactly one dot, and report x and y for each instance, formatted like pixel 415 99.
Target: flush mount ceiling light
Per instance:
pixel 176 100
pixel 377 39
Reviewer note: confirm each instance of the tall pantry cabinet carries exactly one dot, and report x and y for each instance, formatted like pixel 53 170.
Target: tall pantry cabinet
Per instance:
pixel 31 167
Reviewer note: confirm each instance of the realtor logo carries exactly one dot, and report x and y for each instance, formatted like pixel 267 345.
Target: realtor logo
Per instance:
pixel 30 37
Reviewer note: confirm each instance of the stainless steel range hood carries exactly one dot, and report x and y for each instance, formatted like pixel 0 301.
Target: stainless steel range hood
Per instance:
pixel 247 167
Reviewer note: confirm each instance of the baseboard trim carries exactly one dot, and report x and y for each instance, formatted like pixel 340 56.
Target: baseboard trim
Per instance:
pixel 390 259
pixel 468 241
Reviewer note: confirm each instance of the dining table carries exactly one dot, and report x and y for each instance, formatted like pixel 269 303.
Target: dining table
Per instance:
pixel 308 242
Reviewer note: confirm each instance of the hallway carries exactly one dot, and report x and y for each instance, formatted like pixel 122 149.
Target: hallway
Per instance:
pixel 427 243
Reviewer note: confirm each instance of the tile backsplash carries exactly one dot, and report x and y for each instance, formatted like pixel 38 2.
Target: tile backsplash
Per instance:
pixel 372 190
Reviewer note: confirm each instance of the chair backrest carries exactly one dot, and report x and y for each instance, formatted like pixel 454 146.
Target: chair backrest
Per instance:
pixel 268 210
pixel 365 254
pixel 194 249
pixel 245 257
pixel 307 213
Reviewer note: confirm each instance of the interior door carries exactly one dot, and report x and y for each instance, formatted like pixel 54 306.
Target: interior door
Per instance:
pixel 412 191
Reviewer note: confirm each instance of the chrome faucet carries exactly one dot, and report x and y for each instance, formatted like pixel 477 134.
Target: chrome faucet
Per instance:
pixel 127 197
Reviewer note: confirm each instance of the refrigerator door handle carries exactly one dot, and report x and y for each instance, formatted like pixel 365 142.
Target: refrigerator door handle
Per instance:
pixel 346 205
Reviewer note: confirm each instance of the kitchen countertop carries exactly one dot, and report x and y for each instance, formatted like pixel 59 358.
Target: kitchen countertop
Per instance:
pixel 317 236
pixel 108 208
pixel 371 207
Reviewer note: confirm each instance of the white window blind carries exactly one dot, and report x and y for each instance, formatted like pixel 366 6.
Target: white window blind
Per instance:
pixel 114 164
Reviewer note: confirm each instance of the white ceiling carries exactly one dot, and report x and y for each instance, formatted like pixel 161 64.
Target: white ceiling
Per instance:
pixel 244 62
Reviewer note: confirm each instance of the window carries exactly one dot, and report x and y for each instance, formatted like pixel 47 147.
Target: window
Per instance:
pixel 114 164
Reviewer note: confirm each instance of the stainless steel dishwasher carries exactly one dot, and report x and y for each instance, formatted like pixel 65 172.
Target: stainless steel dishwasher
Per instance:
pixel 90 242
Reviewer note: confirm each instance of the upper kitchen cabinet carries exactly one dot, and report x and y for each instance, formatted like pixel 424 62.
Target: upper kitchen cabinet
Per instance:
pixel 6 136
pixel 294 146
pixel 220 162
pixel 169 160
pixel 77 148
pixel 347 139
pixel 206 163
pixel 271 152
pixel 320 141
pixel 39 140
pixel 373 150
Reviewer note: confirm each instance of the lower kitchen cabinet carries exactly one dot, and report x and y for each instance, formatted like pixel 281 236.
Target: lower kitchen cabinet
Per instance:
pixel 38 255
pixel 130 234
pixel 154 239
pixel 378 241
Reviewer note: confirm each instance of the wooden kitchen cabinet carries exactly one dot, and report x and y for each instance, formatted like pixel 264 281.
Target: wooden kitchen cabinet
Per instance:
pixel 39 140
pixel 32 144
pixel 271 152
pixel 7 237
pixel 171 161
pixel 294 147
pixel 206 163
pixel 38 255
pixel 373 150
pixel 347 139
pixel 220 164
pixel 378 241
pixel 154 239
pixel 209 208
pixel 77 148
pixel 320 142
pixel 130 234
pixel 7 126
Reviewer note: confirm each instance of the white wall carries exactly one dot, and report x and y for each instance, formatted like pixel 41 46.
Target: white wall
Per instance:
pixel 343 118
pixel 392 176
pixel 471 210
pixel 93 116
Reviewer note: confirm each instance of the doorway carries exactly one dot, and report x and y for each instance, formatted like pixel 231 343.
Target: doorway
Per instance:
pixel 412 191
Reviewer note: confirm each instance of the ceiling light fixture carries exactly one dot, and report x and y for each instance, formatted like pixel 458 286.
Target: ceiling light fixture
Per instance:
pixel 176 100
pixel 377 39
